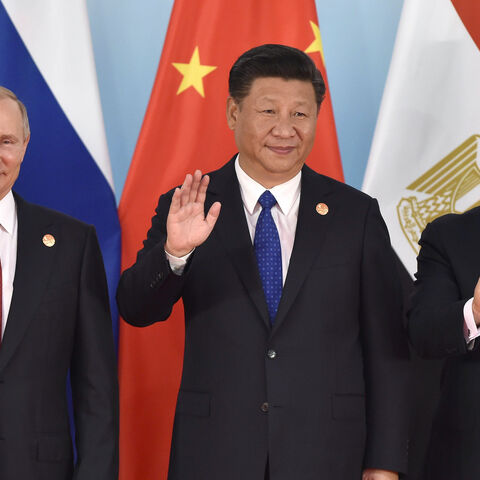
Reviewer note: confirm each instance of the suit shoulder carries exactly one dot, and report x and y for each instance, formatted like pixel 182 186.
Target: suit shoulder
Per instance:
pixel 453 230
pixel 60 217
pixel 458 221
pixel 48 215
pixel 347 191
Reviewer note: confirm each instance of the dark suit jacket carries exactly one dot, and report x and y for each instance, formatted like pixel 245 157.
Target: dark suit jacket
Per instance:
pixel 331 399
pixel 59 319
pixel 448 270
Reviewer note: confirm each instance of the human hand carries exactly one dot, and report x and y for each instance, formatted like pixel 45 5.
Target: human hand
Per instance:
pixel 187 225
pixel 476 303
pixel 373 474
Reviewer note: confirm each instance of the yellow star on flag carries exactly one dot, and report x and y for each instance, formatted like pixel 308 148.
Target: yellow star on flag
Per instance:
pixel 316 45
pixel 193 73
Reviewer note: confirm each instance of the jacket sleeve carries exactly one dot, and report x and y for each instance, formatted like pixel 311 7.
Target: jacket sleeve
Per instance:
pixel 435 323
pixel 148 289
pixel 94 372
pixel 385 350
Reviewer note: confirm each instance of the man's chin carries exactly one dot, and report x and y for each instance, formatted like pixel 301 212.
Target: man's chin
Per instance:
pixel 279 165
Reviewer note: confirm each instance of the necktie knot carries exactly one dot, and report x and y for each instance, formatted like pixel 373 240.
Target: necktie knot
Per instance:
pixel 267 200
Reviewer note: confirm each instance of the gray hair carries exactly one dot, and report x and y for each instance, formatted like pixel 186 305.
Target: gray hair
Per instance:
pixel 6 93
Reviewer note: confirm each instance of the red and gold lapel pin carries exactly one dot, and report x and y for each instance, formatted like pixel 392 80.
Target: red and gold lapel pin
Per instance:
pixel 48 240
pixel 322 208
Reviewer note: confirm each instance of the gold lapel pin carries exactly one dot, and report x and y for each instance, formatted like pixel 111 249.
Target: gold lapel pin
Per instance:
pixel 321 208
pixel 48 240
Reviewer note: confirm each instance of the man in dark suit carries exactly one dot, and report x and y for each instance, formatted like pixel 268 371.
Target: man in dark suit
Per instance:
pixel 295 362
pixel 443 323
pixel 54 318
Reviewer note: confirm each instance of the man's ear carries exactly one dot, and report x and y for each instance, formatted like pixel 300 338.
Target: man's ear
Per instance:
pixel 232 112
pixel 25 144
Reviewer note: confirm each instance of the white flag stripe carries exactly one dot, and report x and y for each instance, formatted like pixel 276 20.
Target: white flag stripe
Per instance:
pixel 57 36
pixel 430 107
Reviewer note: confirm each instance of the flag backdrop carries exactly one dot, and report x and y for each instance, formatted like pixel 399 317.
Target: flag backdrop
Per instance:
pixel 424 159
pixel 47 60
pixel 184 129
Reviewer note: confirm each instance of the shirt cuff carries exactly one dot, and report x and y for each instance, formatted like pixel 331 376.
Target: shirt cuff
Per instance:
pixel 470 329
pixel 177 264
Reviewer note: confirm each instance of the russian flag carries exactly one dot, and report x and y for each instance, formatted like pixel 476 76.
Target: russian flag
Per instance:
pixel 47 60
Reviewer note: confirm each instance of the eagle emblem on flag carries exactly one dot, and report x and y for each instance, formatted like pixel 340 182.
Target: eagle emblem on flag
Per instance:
pixel 452 185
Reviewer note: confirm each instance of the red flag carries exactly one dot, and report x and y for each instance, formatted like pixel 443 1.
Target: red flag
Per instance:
pixel 184 129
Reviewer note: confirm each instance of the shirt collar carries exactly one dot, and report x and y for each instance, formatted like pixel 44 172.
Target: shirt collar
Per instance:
pixel 285 193
pixel 7 212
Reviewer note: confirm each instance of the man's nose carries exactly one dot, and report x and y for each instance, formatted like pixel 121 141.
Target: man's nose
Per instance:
pixel 284 127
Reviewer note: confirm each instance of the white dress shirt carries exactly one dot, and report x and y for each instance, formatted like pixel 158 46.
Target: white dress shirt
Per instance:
pixel 284 214
pixel 8 251
pixel 470 329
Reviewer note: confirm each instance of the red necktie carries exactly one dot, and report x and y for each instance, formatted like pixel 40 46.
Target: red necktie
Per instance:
pixel 1 295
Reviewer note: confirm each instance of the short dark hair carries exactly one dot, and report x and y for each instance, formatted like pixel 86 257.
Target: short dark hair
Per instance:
pixel 273 60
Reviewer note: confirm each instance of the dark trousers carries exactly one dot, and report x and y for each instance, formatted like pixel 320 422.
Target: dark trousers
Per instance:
pixel 267 473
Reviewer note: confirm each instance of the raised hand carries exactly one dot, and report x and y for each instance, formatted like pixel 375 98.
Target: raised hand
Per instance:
pixel 476 303
pixel 373 474
pixel 187 225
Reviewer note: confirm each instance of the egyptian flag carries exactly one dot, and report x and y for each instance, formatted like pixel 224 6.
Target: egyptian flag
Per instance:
pixel 424 160
pixel 47 61
pixel 184 129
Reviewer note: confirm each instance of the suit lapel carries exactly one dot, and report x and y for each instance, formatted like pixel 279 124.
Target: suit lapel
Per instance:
pixel 309 235
pixel 34 262
pixel 232 232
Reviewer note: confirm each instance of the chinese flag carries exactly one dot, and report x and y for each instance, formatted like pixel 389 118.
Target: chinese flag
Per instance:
pixel 184 129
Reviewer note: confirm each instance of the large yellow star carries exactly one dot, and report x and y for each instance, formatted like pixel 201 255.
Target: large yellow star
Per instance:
pixel 193 73
pixel 316 45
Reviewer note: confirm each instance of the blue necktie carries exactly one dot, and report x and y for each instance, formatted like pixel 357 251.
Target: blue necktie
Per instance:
pixel 269 254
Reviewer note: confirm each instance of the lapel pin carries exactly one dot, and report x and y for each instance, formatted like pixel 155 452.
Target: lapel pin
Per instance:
pixel 321 208
pixel 48 240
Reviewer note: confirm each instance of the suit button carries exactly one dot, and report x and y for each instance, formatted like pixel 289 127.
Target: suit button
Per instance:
pixel 271 353
pixel 264 407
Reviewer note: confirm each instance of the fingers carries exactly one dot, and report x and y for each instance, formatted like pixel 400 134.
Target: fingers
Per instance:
pixel 212 215
pixel 193 190
pixel 185 190
pixel 196 180
pixel 191 187
pixel 175 203
pixel 476 303
pixel 373 474
pixel 202 190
